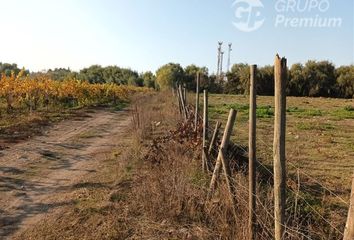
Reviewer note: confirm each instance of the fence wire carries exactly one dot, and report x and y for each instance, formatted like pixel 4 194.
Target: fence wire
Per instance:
pixel 290 231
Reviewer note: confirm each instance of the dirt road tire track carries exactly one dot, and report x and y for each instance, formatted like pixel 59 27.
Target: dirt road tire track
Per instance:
pixel 34 173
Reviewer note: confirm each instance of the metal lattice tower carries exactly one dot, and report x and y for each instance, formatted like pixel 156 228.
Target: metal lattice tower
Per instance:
pixel 219 58
pixel 229 57
pixel 221 63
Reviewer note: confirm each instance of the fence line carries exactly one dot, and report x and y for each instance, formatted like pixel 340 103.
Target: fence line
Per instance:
pixel 305 201
pixel 268 213
pixel 279 174
pixel 252 165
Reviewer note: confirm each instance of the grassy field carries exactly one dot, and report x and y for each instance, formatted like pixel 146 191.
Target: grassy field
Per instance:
pixel 152 186
pixel 319 142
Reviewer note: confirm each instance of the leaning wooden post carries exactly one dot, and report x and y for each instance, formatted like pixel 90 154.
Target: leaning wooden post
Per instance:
pixel 280 75
pixel 224 144
pixel 179 101
pixel 252 155
pixel 212 144
pixel 185 95
pixel 184 109
pixel 205 130
pixel 214 137
pixel 196 102
pixel 349 227
pixel 228 178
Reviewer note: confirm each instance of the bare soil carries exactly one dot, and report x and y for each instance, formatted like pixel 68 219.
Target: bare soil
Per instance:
pixel 37 174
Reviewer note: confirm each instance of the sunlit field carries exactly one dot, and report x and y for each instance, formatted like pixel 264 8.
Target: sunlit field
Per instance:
pixel 319 142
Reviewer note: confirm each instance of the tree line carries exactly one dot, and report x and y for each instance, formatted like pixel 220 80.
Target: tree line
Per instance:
pixel 93 74
pixel 312 79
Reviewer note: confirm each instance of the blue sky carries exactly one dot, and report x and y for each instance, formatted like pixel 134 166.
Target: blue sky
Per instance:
pixel 144 34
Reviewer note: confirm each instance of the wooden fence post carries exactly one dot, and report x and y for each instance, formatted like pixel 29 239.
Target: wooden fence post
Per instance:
pixel 196 102
pixel 179 101
pixel 349 227
pixel 205 113
pixel 212 144
pixel 224 144
pixel 228 178
pixel 205 131
pixel 280 75
pixel 183 106
pixel 252 155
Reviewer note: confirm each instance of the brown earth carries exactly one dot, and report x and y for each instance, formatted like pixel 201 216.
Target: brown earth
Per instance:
pixel 36 175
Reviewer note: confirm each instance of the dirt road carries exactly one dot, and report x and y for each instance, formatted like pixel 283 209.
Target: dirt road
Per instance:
pixel 36 174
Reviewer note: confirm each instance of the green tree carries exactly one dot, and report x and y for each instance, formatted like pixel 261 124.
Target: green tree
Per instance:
pixel 190 76
pixel 130 77
pixel 297 85
pixel 113 74
pixel 345 81
pixel 214 85
pixel 169 75
pixel 7 69
pixel 233 84
pixel 135 81
pixel 320 77
pixel 149 79
pixel 265 81
pixel 110 74
pixel 93 74
pixel 60 74
pixel 238 79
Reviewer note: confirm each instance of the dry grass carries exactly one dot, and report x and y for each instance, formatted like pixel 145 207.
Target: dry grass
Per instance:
pixel 134 197
pixel 152 187
pixel 320 133
pixel 18 125
pixel 21 124
pixel 320 136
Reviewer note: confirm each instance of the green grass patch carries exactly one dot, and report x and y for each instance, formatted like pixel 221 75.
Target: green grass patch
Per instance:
pixel 300 112
pixel 310 113
pixel 349 108
pixel 120 106
pixel 314 126
pixel 238 107
pixel 345 113
pixel 294 110
pixel 263 111
pixel 218 110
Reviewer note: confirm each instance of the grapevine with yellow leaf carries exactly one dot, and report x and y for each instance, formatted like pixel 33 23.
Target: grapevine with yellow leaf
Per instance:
pixel 32 92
